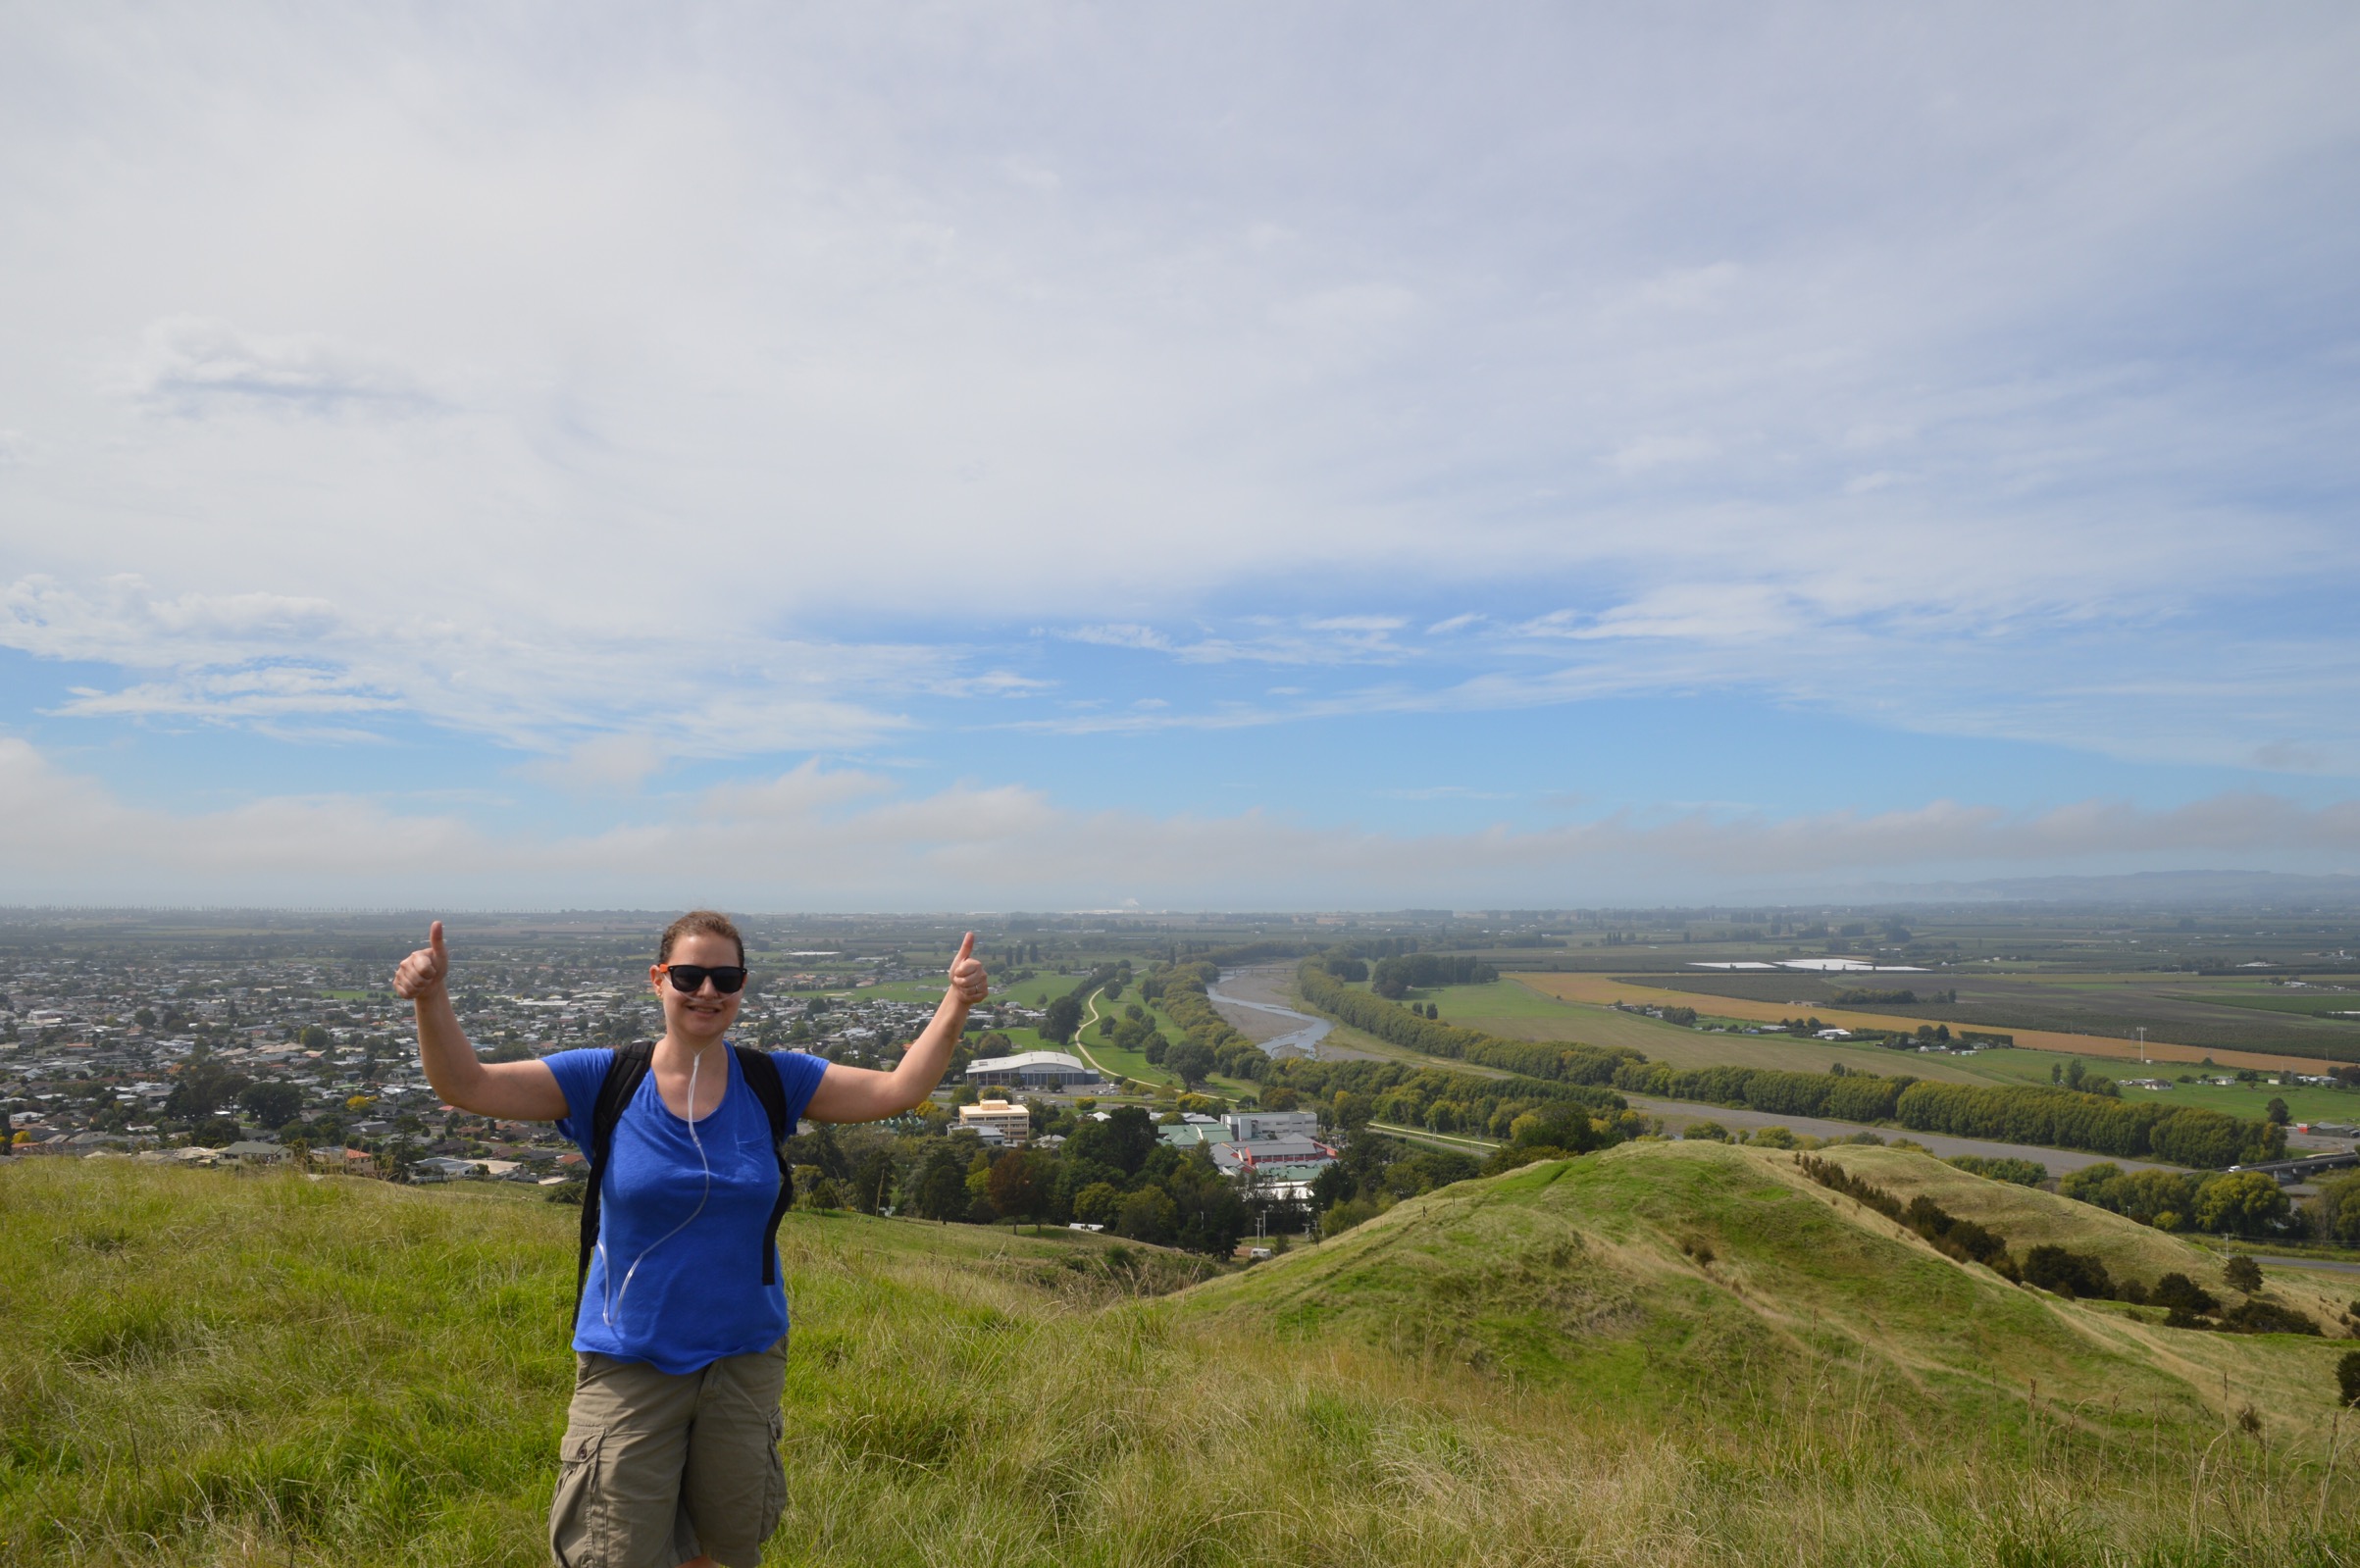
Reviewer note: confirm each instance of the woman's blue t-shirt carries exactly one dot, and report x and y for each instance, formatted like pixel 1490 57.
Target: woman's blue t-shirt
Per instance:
pixel 671 1284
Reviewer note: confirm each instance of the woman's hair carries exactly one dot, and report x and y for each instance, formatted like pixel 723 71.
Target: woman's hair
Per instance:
pixel 713 922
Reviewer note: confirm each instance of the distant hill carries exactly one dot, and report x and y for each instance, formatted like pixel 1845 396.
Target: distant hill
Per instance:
pixel 2169 889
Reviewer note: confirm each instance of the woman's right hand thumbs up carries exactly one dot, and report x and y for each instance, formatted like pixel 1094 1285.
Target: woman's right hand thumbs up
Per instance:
pixel 424 970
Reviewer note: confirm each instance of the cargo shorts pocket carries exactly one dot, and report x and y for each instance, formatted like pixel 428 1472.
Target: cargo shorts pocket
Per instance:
pixel 578 1528
pixel 774 1480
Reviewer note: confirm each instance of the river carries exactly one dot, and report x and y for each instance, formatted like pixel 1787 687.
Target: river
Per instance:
pixel 1278 1030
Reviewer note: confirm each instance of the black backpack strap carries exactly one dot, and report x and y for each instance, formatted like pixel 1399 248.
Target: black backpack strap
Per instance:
pixel 761 1075
pixel 622 1080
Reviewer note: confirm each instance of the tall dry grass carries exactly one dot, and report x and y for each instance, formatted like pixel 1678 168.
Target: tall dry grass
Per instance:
pixel 205 1370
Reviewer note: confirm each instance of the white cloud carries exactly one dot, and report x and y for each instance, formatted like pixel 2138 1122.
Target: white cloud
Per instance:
pixel 818 837
pixel 190 366
pixel 1641 453
pixel 259 657
pixel 781 357
pixel 1338 639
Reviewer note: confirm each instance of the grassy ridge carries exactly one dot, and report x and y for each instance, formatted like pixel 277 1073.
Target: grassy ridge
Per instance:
pixel 1539 1368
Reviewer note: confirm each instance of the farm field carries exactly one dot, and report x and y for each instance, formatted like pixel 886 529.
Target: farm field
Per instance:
pixel 1510 1007
pixel 1608 989
pixel 1686 1356
pixel 2305 1102
pixel 2210 1013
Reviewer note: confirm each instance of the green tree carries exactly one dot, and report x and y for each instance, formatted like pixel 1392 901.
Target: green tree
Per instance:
pixel 1189 1062
pixel 2347 1377
pixel 2243 1272
pixel 217 1131
pixel 2336 1216
pixel 1099 1203
pixel 1017 1186
pixel 943 1187
pixel 1123 1141
pixel 274 1104
pixel 1148 1215
pixel 1063 1017
pixel 202 1087
pixel 2277 1111
pixel 2240 1202
pixel 872 1181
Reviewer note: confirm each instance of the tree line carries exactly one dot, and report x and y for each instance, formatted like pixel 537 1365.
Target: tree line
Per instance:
pixel 2058 1117
pixel 1563 1061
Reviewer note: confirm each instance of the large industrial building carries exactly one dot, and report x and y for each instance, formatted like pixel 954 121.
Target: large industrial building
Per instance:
pixel 1049 1070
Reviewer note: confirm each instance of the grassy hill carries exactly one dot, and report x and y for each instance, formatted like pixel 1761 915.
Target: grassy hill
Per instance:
pixel 1661 1353
pixel 1651 1272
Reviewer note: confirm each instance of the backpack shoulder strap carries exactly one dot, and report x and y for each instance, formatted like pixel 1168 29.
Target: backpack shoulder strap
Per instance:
pixel 761 1075
pixel 622 1080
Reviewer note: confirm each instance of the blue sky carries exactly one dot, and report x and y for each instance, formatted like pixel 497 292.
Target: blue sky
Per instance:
pixel 1045 457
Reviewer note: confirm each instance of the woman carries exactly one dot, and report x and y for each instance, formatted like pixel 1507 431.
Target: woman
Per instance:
pixel 680 1339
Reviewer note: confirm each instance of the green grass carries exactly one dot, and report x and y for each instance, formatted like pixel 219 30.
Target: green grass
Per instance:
pixel 1504 1007
pixel 2212 1013
pixel 1541 1368
pixel 2306 1102
pixel 1518 1012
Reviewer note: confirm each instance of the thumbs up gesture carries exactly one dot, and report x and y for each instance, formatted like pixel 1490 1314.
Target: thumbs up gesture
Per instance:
pixel 423 971
pixel 968 982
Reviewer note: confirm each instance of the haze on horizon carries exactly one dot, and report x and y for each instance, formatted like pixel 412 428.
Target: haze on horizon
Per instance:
pixel 1327 457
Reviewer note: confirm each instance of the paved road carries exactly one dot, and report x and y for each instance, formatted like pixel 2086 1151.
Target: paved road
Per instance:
pixel 1678 1114
pixel 2308 1263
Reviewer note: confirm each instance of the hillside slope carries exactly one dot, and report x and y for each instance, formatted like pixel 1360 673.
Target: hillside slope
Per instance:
pixel 260 1372
pixel 1654 1272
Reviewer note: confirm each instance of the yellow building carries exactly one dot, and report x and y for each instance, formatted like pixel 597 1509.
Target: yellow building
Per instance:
pixel 1012 1122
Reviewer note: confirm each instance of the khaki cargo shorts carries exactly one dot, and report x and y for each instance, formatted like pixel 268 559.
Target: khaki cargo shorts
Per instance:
pixel 655 1468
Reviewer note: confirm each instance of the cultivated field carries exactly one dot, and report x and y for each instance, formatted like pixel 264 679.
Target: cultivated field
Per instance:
pixel 2210 1013
pixel 1600 989
pixel 1515 1008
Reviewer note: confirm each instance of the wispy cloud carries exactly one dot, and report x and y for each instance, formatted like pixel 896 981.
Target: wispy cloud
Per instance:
pixel 1334 640
pixel 192 366
pixel 742 388
pixel 816 837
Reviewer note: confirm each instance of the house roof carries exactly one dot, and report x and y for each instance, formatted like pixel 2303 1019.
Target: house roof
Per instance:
pixel 1025 1059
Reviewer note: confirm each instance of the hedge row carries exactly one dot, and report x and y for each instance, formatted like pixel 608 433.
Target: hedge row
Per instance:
pixel 1181 995
pixel 1558 1061
pixel 2064 1119
pixel 2057 1117
pixel 1841 1097
pixel 1351 1092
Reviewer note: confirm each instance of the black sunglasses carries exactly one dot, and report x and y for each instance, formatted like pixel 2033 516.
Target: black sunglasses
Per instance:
pixel 726 977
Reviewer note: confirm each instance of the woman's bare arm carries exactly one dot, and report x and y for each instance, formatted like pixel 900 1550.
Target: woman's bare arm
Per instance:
pixel 860 1094
pixel 515 1091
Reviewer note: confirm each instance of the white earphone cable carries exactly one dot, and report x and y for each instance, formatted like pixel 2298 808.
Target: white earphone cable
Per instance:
pixel 613 1303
